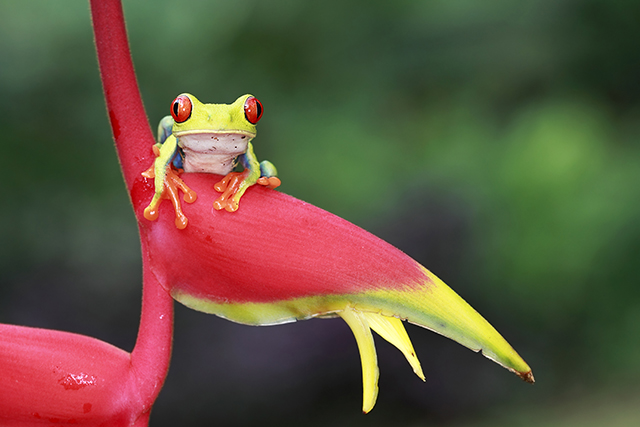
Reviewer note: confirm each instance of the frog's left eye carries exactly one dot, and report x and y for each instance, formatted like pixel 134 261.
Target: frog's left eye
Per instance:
pixel 181 108
pixel 252 110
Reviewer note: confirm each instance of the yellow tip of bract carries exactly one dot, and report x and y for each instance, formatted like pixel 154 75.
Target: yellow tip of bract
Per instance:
pixel 425 301
pixel 392 330
pixel 389 328
pixel 361 330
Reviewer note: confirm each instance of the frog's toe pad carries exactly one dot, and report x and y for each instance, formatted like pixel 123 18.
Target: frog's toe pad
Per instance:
pixel 217 205
pixel 190 196
pixel 221 186
pixel 229 205
pixel 181 222
pixel 271 182
pixel 151 213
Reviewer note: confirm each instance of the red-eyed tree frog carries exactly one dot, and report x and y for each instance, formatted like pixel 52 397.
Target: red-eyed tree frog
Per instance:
pixel 210 138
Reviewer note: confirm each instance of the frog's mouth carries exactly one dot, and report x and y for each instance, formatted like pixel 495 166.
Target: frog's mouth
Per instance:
pixel 209 133
pixel 212 151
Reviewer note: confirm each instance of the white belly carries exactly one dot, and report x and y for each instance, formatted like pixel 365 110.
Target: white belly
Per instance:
pixel 212 152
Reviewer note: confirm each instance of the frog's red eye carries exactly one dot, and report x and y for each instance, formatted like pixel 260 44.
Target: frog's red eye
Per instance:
pixel 181 108
pixel 252 110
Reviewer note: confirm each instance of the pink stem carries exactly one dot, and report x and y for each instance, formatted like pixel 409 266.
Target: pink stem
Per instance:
pixel 151 355
pixel 133 137
pixel 131 130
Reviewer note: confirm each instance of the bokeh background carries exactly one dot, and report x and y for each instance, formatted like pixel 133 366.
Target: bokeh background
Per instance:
pixel 496 142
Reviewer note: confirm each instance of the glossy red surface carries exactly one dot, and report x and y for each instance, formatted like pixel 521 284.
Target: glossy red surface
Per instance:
pixel 273 247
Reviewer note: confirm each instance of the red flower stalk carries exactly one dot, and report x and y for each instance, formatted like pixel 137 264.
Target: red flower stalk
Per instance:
pixel 276 259
pixel 63 378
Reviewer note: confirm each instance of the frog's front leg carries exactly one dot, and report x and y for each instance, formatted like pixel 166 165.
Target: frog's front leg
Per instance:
pixel 167 181
pixel 235 184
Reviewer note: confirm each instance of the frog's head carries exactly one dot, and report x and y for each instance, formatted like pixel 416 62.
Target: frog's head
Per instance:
pixel 212 136
pixel 193 117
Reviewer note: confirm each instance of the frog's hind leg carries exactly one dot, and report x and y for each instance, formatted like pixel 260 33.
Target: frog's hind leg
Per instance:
pixel 164 129
pixel 268 175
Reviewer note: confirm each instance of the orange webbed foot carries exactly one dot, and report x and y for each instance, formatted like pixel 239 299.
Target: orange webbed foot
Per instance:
pixel 270 182
pixel 172 182
pixel 229 187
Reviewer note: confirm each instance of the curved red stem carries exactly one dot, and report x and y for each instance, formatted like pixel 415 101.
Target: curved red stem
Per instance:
pixel 134 142
pixel 131 131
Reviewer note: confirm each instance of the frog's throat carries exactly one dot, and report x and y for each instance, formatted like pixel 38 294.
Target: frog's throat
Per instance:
pixel 212 152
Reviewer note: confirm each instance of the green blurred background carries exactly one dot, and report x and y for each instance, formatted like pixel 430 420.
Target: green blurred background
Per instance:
pixel 496 142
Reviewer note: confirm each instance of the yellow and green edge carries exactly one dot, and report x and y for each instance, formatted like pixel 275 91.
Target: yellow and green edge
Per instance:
pixel 428 302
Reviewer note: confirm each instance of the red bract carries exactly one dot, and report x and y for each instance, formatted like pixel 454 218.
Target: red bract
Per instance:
pixel 59 377
pixel 64 378
pixel 273 248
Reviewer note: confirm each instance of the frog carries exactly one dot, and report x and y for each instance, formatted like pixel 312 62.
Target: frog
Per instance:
pixel 207 138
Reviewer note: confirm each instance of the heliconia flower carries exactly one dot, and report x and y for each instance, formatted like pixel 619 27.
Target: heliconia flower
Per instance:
pixel 276 259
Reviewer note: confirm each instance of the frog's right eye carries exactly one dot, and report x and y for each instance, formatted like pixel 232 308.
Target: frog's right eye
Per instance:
pixel 181 108
pixel 252 110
